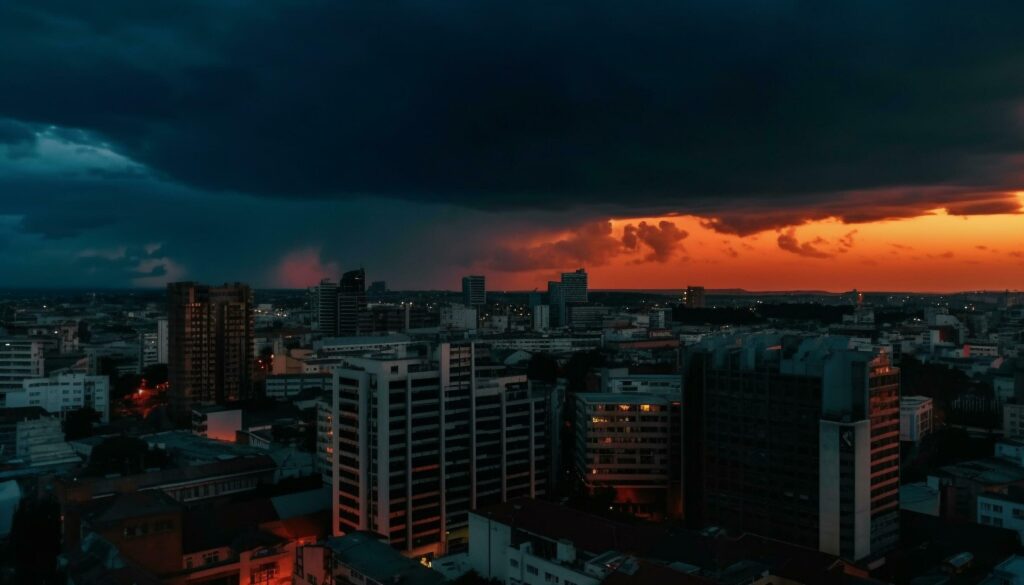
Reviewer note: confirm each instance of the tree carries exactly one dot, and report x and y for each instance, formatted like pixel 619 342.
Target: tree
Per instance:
pixel 78 423
pixel 35 534
pixel 543 368
pixel 124 455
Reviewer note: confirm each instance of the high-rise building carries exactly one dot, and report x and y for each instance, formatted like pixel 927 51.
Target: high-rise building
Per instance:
pixel 323 303
pixel 353 317
pixel 794 437
pixel 629 443
pixel 541 317
pixel 210 344
pixel 693 297
pixel 474 291
pixel 418 442
pixel 570 290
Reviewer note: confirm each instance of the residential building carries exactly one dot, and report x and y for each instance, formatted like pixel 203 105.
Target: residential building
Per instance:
pixel 474 291
pixel 916 414
pixel 20 358
pixel 60 393
pixel 629 443
pixel 1002 509
pixel 795 437
pixel 420 442
pixel 210 345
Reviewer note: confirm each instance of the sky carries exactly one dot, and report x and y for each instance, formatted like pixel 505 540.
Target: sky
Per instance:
pixel 734 144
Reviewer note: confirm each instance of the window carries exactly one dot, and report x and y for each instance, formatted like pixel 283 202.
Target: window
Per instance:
pixel 532 570
pixel 513 563
pixel 263 574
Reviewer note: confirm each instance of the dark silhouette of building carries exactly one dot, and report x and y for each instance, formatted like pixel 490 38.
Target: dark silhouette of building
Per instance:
pixel 353 318
pixel 210 344
pixel 796 438
pixel 474 290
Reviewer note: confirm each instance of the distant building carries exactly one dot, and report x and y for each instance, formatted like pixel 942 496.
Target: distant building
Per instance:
pixel 459 317
pixel 587 317
pixel 61 393
pixel 353 317
pixel 570 290
pixel 474 291
pixel 541 317
pixel 20 358
pixel 811 417
pixel 284 386
pixel 915 418
pixel 324 307
pixel 210 345
pixel 694 297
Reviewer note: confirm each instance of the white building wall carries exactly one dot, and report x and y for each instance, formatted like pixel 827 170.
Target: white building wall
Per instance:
pixel 63 392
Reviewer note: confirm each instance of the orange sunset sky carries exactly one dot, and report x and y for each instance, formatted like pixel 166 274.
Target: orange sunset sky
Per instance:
pixel 931 252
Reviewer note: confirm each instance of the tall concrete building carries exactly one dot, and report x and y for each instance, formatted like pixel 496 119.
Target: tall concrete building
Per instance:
pixel 629 443
pixel 474 291
pixel 353 317
pixel 419 441
pixel 210 344
pixel 570 290
pixel 794 437
pixel 323 305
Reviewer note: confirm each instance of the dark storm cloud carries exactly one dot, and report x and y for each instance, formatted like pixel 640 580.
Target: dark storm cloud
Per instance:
pixel 757 114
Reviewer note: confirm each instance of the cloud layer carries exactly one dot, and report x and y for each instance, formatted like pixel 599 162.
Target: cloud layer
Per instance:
pixel 125 122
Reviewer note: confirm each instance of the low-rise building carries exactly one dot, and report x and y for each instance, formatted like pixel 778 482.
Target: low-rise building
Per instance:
pixel 61 393
pixel 216 422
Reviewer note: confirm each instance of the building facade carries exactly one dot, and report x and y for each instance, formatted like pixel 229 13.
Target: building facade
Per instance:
pixel 20 358
pixel 794 437
pixel 210 345
pixel 61 393
pixel 474 291
pixel 418 442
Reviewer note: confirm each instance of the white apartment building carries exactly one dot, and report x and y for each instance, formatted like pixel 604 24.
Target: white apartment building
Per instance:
pixel 60 393
pixel 419 442
pixel 916 413
pixel 1002 510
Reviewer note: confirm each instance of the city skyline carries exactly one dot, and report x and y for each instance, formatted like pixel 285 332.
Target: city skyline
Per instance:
pixel 132 141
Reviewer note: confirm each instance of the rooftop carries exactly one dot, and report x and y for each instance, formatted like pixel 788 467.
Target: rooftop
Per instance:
pixel 365 553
